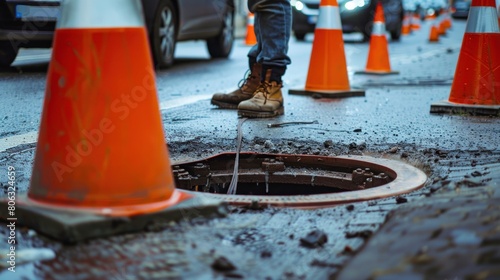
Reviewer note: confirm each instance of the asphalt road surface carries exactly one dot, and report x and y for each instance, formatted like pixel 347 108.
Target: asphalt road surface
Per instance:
pixel 392 120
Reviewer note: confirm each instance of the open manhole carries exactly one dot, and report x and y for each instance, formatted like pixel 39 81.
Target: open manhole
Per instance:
pixel 302 181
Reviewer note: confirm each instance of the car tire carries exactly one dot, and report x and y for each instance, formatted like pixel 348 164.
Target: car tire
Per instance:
pixel 164 34
pixel 300 36
pixel 8 53
pixel 220 46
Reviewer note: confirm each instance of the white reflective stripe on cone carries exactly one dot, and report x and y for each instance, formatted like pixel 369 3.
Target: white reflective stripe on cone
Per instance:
pixel 482 20
pixel 101 14
pixel 378 28
pixel 329 18
pixel 251 20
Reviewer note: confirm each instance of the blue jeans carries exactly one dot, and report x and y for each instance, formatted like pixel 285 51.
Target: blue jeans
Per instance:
pixel 273 25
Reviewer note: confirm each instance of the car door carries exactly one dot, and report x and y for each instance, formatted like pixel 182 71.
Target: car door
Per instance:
pixel 200 18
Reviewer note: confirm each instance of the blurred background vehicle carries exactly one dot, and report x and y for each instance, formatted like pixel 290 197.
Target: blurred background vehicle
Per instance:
pixel 31 24
pixel 425 8
pixel 460 8
pixel 355 15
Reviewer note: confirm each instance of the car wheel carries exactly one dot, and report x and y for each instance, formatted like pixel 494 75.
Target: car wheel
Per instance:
pixel 300 36
pixel 221 45
pixel 8 54
pixel 164 34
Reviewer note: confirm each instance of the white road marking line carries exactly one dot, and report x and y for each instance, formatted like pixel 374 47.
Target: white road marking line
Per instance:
pixel 16 140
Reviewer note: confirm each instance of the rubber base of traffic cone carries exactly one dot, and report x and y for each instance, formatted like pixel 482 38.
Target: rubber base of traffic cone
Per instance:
pixel 447 107
pixel 377 72
pixel 328 93
pixel 71 226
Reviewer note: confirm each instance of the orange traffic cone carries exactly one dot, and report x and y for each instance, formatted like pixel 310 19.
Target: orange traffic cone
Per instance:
pixel 101 151
pixel 476 86
pixel 378 54
pixel 415 22
pixel 442 28
pixel 405 29
pixel 250 38
pixel 447 19
pixel 327 75
pixel 434 34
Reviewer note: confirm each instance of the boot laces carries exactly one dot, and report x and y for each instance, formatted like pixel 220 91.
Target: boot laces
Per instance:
pixel 243 83
pixel 264 87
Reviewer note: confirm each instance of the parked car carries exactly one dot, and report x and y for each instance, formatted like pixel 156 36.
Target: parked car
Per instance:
pixel 355 15
pixel 460 9
pixel 31 24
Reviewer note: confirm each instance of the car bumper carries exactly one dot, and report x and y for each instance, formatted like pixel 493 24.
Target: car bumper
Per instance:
pixel 27 39
pixel 460 14
pixel 352 21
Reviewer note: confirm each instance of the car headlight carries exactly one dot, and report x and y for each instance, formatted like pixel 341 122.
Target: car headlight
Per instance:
pixel 353 4
pixel 297 4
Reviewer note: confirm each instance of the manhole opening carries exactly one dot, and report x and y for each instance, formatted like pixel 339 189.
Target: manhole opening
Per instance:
pixel 300 181
pixel 273 189
pixel 264 174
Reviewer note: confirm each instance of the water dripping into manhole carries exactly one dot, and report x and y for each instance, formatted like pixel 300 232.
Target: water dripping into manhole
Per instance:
pixel 302 181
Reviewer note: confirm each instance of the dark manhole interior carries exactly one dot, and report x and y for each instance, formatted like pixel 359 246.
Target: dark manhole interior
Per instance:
pixel 297 180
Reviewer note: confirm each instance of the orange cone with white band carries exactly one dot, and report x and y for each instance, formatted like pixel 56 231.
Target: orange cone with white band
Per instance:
pixel 101 151
pixel 434 33
pixel 476 85
pixel 327 75
pixel 415 23
pixel 405 29
pixel 378 55
pixel 447 19
pixel 101 141
pixel 442 28
pixel 250 38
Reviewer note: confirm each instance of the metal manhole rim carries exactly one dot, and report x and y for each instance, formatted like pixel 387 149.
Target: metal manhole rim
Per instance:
pixel 409 178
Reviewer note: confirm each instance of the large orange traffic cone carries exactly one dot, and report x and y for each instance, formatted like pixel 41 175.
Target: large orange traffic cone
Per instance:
pixel 250 38
pixel 378 53
pixel 327 76
pixel 101 150
pixel 476 85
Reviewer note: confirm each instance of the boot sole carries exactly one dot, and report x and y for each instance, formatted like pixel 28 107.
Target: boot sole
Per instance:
pixel 261 114
pixel 224 105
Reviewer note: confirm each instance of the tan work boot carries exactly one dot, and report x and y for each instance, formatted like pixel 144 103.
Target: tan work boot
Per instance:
pixel 244 91
pixel 266 102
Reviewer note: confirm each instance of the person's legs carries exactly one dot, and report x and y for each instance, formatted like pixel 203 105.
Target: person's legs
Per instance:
pixel 273 19
pixel 272 29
